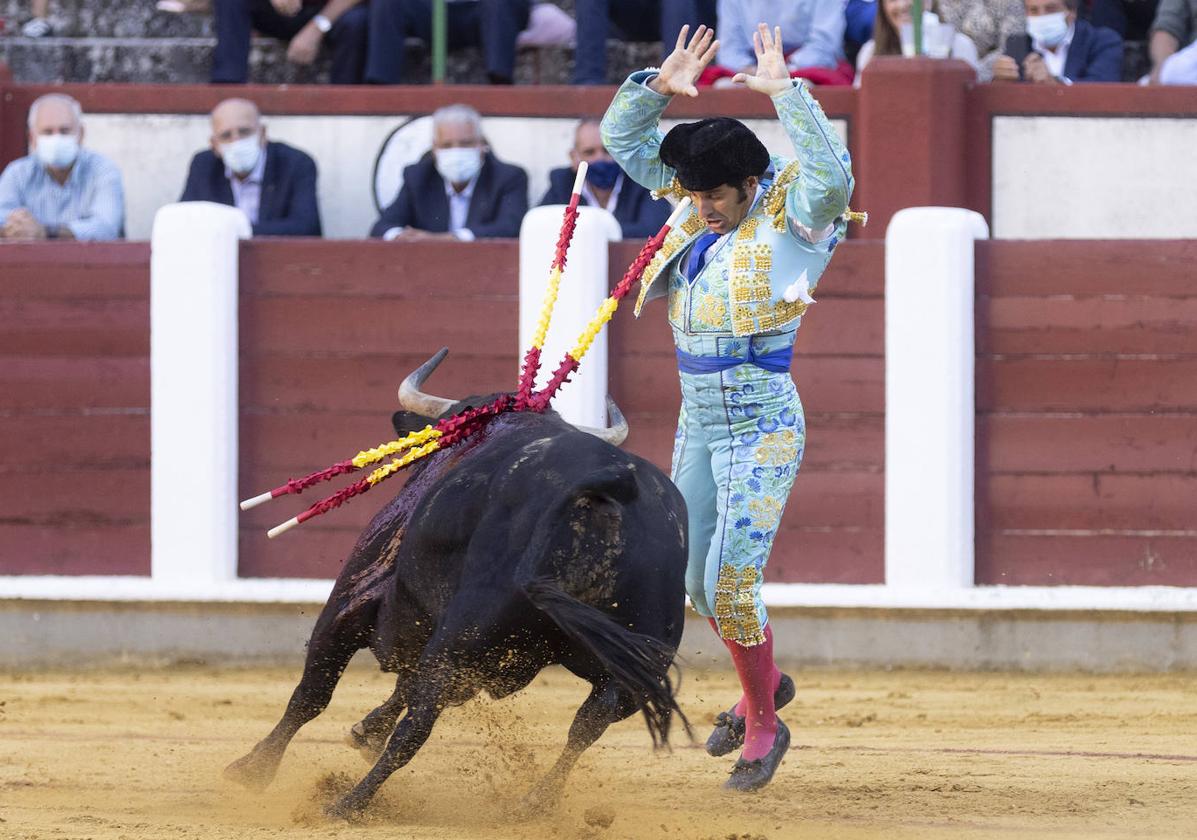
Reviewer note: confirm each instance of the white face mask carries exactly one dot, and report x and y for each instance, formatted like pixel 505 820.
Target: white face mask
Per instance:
pixel 57 151
pixel 242 155
pixel 458 166
pixel 1048 30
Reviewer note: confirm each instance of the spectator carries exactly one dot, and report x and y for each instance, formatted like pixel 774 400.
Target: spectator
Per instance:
pixel 1063 49
pixel 606 186
pixel 38 26
pixel 635 20
pixel 1174 32
pixel 891 15
pixel 273 184
pixel 60 190
pixel 1131 19
pixel 491 24
pixel 813 46
pixel 858 26
pixel 987 23
pixel 303 24
pixel 460 190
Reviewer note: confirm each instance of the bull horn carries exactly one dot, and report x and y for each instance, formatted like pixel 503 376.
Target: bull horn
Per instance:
pixel 618 432
pixel 413 399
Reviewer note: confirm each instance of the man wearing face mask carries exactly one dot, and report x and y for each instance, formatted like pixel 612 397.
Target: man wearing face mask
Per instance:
pixel 606 186
pixel 60 190
pixel 272 183
pixel 1064 49
pixel 458 191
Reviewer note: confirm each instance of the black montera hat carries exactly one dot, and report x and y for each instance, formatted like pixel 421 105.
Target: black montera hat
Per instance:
pixel 711 152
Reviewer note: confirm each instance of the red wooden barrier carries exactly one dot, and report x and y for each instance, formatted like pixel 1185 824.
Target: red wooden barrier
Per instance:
pixel 328 331
pixel 75 401
pixel 1086 403
pixel 1086 413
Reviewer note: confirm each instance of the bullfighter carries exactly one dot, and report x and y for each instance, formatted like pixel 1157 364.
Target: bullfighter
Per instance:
pixel 738 273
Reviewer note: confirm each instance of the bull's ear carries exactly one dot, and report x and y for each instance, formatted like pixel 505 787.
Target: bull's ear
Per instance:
pixel 409 421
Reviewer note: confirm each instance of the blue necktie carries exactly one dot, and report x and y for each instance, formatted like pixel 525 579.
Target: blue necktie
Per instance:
pixel 698 252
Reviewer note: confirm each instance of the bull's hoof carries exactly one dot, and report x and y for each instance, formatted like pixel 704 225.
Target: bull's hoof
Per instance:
pixel 369 745
pixel 540 801
pixel 348 808
pixel 252 771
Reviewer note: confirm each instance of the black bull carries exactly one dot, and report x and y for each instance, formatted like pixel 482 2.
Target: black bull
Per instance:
pixel 531 543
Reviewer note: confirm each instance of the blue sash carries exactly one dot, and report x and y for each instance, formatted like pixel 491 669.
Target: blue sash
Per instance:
pixel 775 361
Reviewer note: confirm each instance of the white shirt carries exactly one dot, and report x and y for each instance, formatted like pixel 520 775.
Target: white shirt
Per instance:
pixel 612 199
pixel 247 192
pixel 1057 58
pixel 459 209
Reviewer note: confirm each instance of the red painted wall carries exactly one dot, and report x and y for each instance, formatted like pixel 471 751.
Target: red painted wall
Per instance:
pixel 75 402
pixel 1086 402
pixel 329 329
pixel 1087 413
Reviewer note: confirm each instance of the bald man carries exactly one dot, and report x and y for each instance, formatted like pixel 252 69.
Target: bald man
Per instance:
pixel 273 184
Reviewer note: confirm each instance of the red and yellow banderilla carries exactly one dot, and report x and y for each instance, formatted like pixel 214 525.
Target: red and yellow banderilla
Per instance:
pixel 450 430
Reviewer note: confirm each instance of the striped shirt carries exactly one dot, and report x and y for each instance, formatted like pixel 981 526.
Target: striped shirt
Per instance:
pixel 91 203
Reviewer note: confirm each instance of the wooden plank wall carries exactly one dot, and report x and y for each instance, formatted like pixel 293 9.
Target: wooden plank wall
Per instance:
pixel 75 403
pixel 1086 400
pixel 1087 413
pixel 328 330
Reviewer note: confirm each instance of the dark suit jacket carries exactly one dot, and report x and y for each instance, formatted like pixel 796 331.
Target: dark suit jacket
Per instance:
pixel 288 203
pixel 1095 54
pixel 638 215
pixel 497 206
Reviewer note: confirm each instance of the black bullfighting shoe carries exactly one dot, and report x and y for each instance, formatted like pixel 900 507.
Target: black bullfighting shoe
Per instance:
pixel 754 775
pixel 728 734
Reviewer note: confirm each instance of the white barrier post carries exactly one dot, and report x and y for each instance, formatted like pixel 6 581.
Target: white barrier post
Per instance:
pixel 193 393
pixel 930 411
pixel 583 288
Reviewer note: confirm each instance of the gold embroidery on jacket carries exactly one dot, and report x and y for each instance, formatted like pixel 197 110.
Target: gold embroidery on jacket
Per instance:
pixel 774 200
pixel 673 188
pixel 673 243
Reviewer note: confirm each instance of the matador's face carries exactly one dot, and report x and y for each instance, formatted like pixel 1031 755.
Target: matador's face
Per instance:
pixel 724 207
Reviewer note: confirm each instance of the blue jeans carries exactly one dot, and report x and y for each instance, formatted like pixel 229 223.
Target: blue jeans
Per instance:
pixel 636 20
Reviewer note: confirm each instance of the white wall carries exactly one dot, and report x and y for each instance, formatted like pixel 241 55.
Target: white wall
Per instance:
pixel 153 153
pixel 1094 178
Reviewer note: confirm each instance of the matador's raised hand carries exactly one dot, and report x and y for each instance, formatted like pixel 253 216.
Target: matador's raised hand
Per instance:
pixel 772 74
pixel 686 63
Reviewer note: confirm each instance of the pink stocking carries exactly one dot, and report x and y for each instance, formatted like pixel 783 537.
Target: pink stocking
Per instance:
pixel 759 678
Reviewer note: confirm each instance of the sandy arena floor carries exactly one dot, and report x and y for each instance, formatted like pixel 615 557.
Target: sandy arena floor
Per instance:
pixel 132 754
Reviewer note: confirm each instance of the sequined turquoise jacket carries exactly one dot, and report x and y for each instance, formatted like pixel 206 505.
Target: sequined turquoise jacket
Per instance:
pixel 771 247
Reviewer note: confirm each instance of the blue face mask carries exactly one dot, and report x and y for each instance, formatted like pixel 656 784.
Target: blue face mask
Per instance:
pixel 602 174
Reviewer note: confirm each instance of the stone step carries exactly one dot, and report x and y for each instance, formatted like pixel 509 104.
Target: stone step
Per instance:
pixel 98 19
pixel 124 19
pixel 187 60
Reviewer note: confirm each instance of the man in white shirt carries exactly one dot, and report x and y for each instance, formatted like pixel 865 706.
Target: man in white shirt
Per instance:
pixel 459 190
pixel 1063 49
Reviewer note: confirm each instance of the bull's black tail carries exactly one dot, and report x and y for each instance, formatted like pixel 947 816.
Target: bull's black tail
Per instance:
pixel 638 663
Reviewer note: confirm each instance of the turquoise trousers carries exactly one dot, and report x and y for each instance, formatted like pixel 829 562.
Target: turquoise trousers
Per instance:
pixel 739 442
